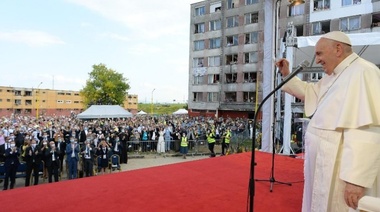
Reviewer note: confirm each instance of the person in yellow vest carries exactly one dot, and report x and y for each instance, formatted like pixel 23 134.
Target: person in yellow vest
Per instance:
pixel 211 142
pixel 226 141
pixel 184 145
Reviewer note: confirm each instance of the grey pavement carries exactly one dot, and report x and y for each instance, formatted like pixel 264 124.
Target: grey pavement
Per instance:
pixel 135 161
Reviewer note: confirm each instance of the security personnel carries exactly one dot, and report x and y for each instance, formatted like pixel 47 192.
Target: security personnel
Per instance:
pixel 184 145
pixel 211 142
pixel 226 141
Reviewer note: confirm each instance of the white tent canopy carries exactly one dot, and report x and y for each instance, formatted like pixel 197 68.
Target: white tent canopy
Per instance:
pixel 104 111
pixel 180 112
pixel 367 45
pixel 141 112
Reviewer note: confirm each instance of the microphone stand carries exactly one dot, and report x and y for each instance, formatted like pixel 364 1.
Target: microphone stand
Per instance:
pixel 251 188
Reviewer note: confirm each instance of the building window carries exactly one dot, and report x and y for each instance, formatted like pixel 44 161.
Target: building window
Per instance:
pixel 315 77
pixel 249 96
pixel 199 28
pixel 215 7
pixel 321 5
pixel 61 93
pixel 68 101
pixel 200 11
pixel 295 10
pixel 321 27
pixel 232 21
pixel 350 23
pixel 17 101
pixel 251 37
pixel 69 94
pixel 213 78
pixel 230 96
pixel 350 2
pixel 197 96
pixel 231 78
pixel 198 62
pixel 215 25
pixel 231 59
pixel 60 101
pixel 232 4
pixel 214 61
pixel 8 100
pixel 251 18
pixel 214 43
pixel 250 57
pixel 299 30
pixel 232 40
pixel 250 77
pixel 76 94
pixel 28 93
pixel 376 19
pixel 212 97
pixel 1 100
pixel 76 102
pixel 248 2
pixel 199 45
pixel 17 93
pixel 198 80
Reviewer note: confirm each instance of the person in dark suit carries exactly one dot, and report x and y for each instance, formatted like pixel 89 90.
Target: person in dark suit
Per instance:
pixel 2 152
pixel 72 158
pixel 61 146
pixel 44 146
pixel 50 133
pixel 81 135
pixel 33 162
pixel 88 153
pixel 124 138
pixel 103 151
pixel 52 161
pixel 11 164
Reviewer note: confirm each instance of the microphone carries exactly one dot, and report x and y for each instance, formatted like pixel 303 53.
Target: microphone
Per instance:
pixel 298 69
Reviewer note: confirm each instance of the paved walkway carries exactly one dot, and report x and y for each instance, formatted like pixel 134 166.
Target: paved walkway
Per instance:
pixel 135 161
pixel 157 160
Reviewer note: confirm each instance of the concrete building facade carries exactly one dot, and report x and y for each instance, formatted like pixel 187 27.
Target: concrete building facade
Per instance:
pixel 29 101
pixel 226 46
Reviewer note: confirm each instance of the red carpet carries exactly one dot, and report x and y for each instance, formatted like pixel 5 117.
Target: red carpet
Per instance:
pixel 215 184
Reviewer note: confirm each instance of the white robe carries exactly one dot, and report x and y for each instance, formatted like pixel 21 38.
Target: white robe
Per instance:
pixel 161 143
pixel 342 142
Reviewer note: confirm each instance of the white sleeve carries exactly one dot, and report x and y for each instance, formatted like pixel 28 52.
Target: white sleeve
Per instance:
pixel 360 162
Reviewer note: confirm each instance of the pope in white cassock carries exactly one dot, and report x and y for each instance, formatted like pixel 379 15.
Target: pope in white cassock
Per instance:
pixel 342 142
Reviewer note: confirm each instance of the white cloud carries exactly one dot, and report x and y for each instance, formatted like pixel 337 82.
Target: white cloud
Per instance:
pixel 115 36
pixel 31 38
pixel 145 18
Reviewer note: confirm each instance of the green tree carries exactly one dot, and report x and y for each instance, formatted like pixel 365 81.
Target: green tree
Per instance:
pixel 104 87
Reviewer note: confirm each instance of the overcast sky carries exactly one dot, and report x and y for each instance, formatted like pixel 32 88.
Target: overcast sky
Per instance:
pixel 56 42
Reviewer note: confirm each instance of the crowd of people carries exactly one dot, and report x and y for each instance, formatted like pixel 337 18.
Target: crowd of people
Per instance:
pixel 50 144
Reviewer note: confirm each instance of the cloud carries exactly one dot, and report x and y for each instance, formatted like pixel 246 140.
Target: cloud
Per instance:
pixel 115 36
pixel 147 19
pixel 31 38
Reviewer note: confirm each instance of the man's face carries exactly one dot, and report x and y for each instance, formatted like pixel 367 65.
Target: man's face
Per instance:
pixel 326 55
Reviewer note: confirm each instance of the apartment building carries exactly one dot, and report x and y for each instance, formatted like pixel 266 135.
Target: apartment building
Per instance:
pixel 31 101
pixel 226 46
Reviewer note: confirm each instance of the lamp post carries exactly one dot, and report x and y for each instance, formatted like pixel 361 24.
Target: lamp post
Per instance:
pixel 151 103
pixel 38 99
